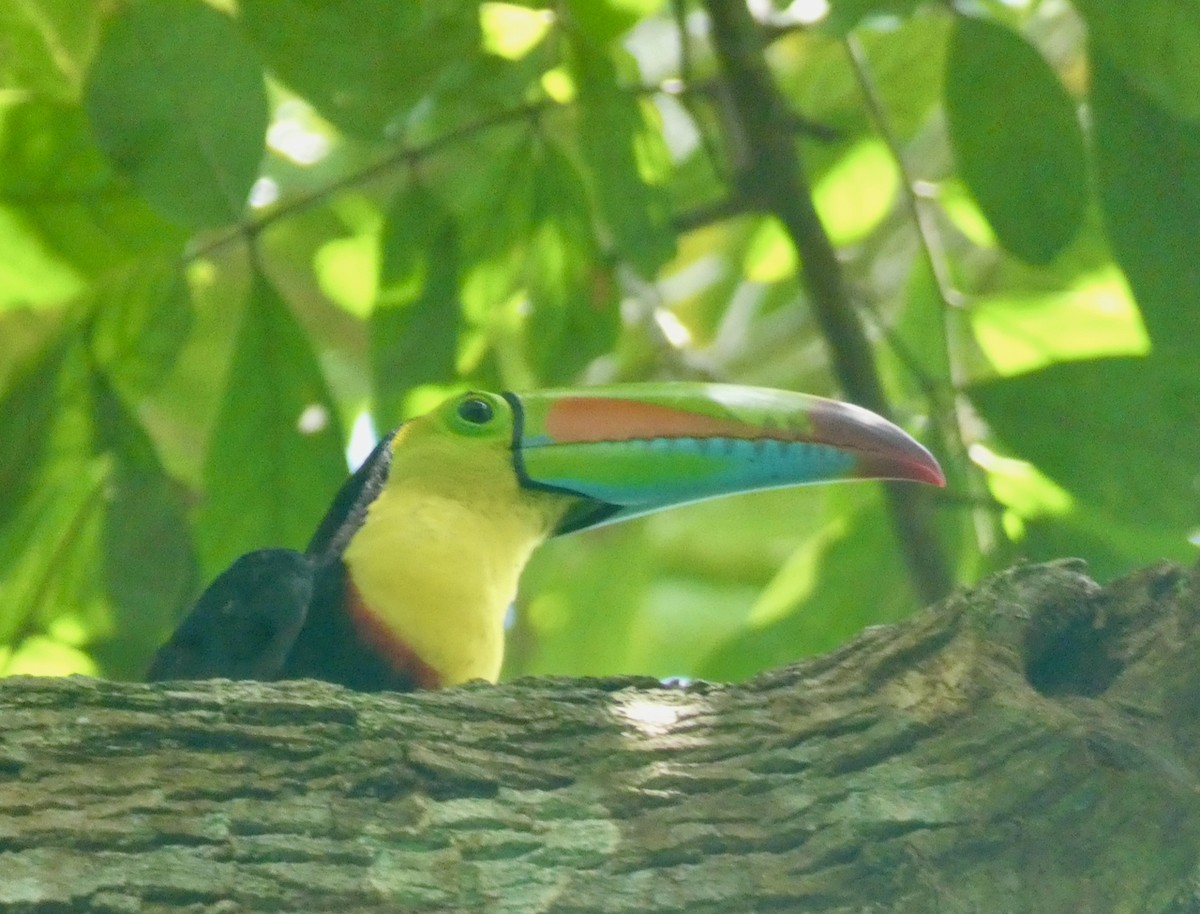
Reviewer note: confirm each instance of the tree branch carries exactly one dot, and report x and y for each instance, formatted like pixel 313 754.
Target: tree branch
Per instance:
pixel 773 175
pixel 404 156
pixel 1028 747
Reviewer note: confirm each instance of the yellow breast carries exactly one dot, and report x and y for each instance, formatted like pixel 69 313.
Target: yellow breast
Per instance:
pixel 439 569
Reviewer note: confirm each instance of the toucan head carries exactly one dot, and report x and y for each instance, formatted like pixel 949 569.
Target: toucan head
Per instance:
pixel 604 454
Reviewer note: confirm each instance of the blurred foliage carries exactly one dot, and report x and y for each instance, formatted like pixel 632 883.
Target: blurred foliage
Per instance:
pixel 237 238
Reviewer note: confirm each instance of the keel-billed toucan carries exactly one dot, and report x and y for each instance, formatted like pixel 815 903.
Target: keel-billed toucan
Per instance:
pixel 407 580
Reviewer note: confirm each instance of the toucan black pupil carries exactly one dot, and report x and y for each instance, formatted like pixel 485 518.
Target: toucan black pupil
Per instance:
pixel 475 411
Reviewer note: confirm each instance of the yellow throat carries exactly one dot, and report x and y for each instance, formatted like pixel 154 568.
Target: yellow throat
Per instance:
pixel 439 554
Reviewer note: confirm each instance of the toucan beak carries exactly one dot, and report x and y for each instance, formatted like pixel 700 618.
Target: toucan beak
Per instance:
pixel 633 449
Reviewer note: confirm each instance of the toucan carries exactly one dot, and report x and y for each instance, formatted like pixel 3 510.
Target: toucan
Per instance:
pixel 408 578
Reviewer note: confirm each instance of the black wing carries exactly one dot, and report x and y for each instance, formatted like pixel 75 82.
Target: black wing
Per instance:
pixel 245 624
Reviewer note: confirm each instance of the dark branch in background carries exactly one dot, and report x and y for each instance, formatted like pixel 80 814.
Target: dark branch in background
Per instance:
pixel 772 175
pixel 944 397
pixel 710 213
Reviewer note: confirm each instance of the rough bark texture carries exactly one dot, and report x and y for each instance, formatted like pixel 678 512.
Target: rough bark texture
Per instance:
pixel 1030 745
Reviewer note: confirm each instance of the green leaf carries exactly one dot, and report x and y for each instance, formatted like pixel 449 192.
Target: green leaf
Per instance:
pixel 363 63
pixel 63 201
pixel 52 517
pixel 1016 139
pixel 414 327
pixel 1148 169
pixel 275 456
pixel 177 102
pixel 572 321
pixel 857 192
pixel 1116 433
pixel 511 31
pixel 31 276
pixel 605 20
pixel 1155 43
pixel 846 14
pixel 611 125
pixel 27 412
pixel 1110 544
pixel 919 354
pixel 1095 317
pixel 150 570
pixel 142 315
pixel 45 45
pixel 48 550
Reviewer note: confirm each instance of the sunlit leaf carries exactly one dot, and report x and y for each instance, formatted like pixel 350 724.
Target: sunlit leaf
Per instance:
pixel 1026 493
pixel 857 192
pixel 269 476
pixel 1148 169
pixel 559 85
pixel 346 269
pixel 512 31
pixel 1156 44
pixel 177 102
pixel 770 255
pixel 30 274
pixel 40 655
pixel 1016 139
pixel 965 213
pixel 1096 317
pixel 363 63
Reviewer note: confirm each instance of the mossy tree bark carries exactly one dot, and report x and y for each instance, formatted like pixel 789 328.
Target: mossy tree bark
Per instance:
pixel 1031 745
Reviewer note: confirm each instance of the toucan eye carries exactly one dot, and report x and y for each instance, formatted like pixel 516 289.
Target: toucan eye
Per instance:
pixel 475 410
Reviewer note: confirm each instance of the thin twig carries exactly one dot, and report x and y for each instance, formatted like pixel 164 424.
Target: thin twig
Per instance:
pixel 407 156
pixel 709 213
pixel 687 97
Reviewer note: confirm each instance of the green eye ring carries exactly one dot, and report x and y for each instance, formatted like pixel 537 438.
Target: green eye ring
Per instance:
pixel 477 414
